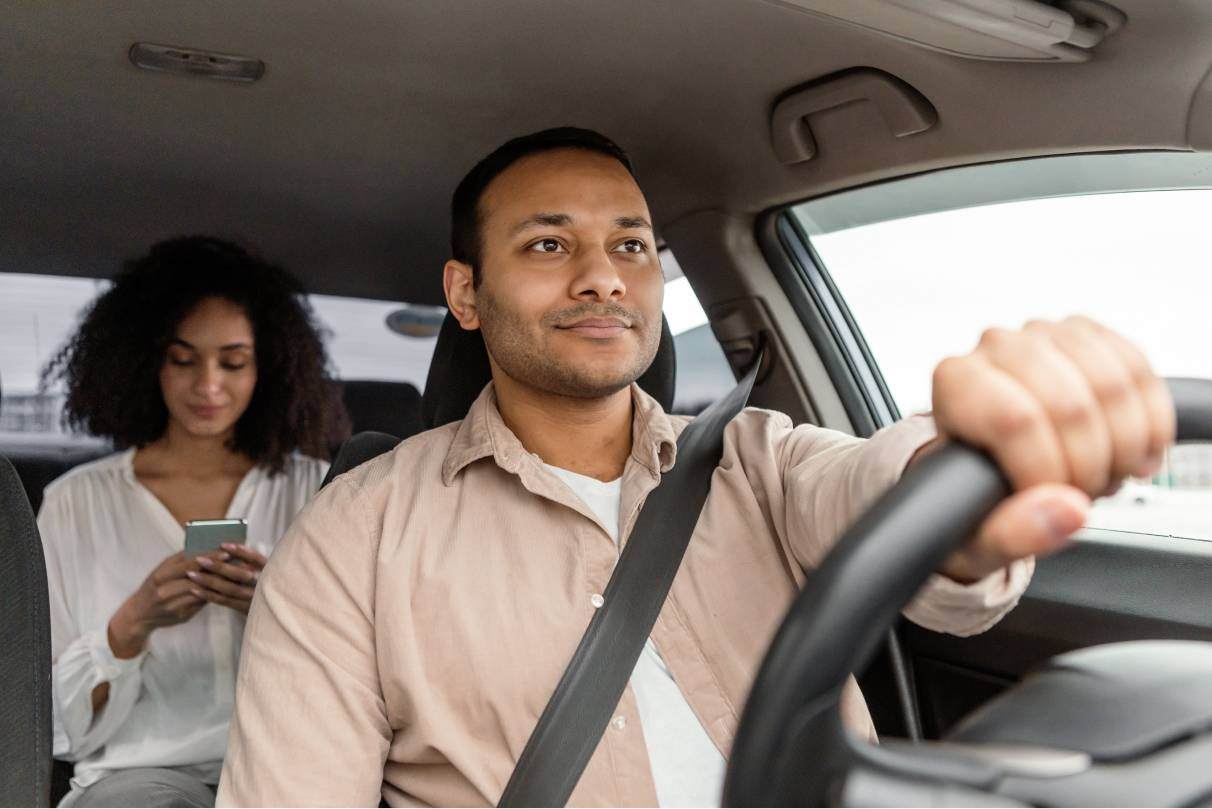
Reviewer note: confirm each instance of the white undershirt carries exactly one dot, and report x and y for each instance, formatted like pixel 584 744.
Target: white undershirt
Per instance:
pixel 687 768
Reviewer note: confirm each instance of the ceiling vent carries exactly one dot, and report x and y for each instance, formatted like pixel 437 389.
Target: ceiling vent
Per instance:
pixel 999 30
pixel 221 66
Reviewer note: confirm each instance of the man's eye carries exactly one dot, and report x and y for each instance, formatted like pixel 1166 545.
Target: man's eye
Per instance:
pixel 632 246
pixel 547 246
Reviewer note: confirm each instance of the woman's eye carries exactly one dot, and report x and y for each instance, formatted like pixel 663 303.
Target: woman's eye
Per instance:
pixel 546 246
pixel 230 367
pixel 180 363
pixel 632 246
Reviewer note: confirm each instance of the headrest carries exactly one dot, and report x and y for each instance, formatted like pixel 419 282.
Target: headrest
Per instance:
pixel 460 370
pixel 358 450
pixel 386 407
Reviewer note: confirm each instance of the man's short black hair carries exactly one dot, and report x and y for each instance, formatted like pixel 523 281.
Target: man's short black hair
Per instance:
pixel 465 242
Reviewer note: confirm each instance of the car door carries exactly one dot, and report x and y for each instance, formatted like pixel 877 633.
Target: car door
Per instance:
pixel 890 279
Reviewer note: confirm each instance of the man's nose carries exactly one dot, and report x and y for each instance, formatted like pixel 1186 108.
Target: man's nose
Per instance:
pixel 597 277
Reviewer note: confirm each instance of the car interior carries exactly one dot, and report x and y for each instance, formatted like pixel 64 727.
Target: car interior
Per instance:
pixel 331 136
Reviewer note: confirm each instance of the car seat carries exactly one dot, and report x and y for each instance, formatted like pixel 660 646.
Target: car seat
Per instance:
pixel 460 370
pixel 458 373
pixel 25 665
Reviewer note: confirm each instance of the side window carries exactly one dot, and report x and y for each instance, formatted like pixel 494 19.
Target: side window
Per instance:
pixel 362 344
pixel 37 313
pixel 703 374
pixel 924 287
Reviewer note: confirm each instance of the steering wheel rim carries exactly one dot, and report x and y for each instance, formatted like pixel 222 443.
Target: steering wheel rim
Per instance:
pixel 791 747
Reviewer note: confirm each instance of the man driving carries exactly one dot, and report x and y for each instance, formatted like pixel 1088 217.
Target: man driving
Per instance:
pixel 413 623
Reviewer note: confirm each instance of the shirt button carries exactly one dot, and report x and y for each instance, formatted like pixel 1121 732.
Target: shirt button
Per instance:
pixel 596 600
pixel 619 722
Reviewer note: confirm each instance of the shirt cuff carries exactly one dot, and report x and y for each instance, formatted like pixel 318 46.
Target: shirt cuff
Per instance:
pixel 109 667
pixel 945 605
pixel 896 444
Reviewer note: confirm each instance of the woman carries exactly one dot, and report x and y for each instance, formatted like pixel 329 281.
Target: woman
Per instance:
pixel 205 367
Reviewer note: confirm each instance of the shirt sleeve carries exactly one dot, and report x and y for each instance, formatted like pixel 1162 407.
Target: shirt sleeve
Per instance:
pixel 830 479
pixel 80 660
pixel 309 726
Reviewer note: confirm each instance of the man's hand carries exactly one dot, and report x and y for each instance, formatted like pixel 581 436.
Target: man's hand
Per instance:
pixel 163 599
pixel 229 578
pixel 1068 410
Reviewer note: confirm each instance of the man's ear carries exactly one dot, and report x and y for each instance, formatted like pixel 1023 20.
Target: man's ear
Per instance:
pixel 459 283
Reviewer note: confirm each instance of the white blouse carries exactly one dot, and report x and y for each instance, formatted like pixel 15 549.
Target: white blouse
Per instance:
pixel 103 532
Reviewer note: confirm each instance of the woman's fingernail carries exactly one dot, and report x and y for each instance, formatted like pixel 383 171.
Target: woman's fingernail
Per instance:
pixel 223 557
pixel 192 575
pixel 205 561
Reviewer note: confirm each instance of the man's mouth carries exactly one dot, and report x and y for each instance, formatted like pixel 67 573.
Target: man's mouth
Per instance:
pixel 597 327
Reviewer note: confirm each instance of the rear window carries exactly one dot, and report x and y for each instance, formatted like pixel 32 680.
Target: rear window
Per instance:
pixel 39 312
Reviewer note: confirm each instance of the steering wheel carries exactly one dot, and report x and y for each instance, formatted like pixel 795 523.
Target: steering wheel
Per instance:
pixel 791 748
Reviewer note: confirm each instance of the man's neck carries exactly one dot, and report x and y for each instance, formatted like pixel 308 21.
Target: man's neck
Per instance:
pixel 588 436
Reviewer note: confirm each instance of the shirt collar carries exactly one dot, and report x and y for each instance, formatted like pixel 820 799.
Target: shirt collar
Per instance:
pixel 483 433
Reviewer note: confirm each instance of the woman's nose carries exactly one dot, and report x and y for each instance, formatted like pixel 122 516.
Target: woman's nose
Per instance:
pixel 209 379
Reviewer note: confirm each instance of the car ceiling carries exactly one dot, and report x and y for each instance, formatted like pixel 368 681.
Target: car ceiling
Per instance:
pixel 340 161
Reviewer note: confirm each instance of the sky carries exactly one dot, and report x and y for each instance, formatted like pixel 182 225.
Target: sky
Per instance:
pixel 925 287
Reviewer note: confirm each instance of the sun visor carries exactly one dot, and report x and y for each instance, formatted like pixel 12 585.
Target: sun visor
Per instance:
pixel 1000 30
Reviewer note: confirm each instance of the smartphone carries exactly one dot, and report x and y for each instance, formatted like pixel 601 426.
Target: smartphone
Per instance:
pixel 204 536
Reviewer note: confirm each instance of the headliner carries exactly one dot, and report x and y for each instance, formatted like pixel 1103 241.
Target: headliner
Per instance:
pixel 339 163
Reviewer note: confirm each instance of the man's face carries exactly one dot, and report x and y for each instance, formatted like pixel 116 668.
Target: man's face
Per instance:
pixel 571 287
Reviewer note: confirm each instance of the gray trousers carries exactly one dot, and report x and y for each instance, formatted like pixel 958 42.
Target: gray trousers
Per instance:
pixel 143 786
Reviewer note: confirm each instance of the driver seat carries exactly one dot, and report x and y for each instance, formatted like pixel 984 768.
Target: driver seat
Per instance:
pixel 458 373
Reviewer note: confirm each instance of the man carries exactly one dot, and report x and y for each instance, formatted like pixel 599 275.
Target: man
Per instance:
pixel 412 625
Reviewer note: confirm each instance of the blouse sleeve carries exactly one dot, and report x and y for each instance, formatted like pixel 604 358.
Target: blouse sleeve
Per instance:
pixel 80 661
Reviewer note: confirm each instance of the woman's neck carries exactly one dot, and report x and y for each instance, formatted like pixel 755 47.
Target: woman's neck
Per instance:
pixel 176 451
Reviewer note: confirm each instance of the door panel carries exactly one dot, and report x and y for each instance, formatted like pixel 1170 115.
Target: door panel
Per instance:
pixel 1108 586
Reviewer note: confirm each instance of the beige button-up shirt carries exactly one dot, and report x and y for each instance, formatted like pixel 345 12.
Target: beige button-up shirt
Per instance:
pixel 412 624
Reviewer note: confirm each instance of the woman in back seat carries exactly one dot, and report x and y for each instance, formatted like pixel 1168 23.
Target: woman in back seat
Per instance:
pixel 206 368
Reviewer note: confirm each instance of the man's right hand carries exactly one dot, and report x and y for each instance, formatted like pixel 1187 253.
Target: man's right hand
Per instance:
pixel 163 599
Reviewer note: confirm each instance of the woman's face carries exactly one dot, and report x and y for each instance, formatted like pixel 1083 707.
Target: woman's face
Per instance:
pixel 210 369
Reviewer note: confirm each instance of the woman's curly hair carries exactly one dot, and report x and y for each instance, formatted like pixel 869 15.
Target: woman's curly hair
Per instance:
pixel 111 365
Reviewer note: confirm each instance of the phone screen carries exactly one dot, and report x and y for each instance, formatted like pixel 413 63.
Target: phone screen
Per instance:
pixel 204 536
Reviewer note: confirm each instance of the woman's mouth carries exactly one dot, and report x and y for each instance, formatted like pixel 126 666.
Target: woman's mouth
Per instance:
pixel 206 411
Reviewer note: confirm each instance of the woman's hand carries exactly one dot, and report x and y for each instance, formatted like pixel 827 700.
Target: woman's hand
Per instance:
pixel 164 598
pixel 1068 410
pixel 229 577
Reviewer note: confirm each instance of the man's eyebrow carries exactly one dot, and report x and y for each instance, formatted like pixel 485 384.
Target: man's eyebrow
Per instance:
pixel 539 220
pixel 632 222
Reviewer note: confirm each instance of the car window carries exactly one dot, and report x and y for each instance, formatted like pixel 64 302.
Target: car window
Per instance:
pixel 703 373
pixel 39 312
pixel 924 287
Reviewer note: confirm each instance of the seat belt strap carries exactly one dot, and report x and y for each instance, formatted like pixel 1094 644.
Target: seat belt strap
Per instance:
pixel 570 727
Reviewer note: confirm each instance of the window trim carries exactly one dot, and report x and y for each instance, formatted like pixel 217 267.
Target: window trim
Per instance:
pixel 830 325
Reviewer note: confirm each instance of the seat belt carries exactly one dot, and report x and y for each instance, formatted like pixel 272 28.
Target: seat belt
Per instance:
pixel 570 727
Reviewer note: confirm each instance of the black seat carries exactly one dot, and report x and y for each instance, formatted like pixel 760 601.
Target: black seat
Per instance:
pixel 40 462
pixel 460 370
pixel 457 374
pixel 386 407
pixel 25 664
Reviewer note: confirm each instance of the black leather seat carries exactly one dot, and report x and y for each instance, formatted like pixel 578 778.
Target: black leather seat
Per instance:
pixel 460 370
pixel 25 664
pixel 458 373
pixel 386 407
pixel 39 463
